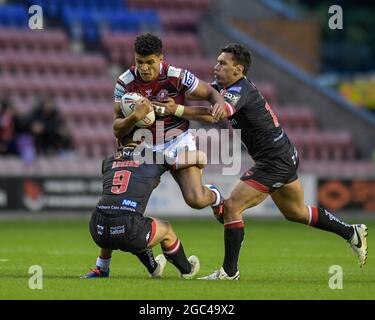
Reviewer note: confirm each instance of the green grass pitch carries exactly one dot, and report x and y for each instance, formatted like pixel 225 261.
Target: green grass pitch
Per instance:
pixel 279 260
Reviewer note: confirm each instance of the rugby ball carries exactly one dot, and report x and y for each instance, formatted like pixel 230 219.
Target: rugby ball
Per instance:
pixel 128 101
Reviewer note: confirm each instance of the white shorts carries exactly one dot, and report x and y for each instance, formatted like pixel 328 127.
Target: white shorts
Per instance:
pixel 184 142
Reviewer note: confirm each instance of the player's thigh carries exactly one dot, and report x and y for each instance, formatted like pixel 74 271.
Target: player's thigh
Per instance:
pixel 162 231
pixel 242 197
pixel 290 199
pixel 190 181
pixel 190 158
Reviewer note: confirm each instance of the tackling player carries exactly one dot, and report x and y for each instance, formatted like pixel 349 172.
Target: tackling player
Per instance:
pixel 156 80
pixel 118 223
pixel 275 170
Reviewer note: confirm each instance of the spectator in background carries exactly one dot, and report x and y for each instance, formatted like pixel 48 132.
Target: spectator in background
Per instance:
pixel 48 128
pixel 9 126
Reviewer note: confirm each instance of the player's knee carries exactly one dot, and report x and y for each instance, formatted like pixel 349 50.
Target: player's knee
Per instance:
pixel 297 215
pixel 195 200
pixel 231 209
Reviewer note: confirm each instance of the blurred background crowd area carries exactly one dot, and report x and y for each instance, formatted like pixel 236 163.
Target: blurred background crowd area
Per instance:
pixel 56 83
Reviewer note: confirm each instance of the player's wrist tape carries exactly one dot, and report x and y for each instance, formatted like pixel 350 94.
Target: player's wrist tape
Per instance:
pixel 179 111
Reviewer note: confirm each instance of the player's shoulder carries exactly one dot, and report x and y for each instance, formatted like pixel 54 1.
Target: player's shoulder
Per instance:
pixel 240 86
pixel 128 76
pixel 174 72
pixel 180 75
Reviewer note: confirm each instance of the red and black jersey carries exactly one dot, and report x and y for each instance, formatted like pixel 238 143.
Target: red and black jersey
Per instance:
pixel 248 111
pixel 127 184
pixel 171 82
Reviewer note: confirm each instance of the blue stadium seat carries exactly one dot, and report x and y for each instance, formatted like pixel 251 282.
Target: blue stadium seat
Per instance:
pixel 13 16
pixel 94 21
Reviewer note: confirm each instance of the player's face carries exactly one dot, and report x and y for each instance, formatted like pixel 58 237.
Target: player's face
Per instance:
pixel 148 66
pixel 225 71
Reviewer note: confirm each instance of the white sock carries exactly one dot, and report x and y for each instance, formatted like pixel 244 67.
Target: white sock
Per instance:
pixel 103 264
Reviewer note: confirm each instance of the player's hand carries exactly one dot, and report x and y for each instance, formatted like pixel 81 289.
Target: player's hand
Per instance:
pixel 142 108
pixel 218 112
pixel 166 107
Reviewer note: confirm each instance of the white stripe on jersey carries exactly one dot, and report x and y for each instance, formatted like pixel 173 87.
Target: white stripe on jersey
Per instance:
pixel 127 77
pixel 230 108
pixel 119 92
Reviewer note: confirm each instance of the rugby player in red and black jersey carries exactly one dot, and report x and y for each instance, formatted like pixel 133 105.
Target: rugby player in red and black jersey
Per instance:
pixel 275 169
pixel 158 81
pixel 118 221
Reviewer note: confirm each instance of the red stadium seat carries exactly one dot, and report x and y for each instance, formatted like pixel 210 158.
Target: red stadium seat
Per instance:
pixel 42 41
pixel 197 5
pixel 296 118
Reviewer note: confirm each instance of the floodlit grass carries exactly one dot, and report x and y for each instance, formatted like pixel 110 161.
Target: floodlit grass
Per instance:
pixel 279 260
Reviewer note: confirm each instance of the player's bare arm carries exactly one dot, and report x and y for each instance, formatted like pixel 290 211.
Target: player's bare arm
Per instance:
pixel 205 92
pixel 197 113
pixel 122 125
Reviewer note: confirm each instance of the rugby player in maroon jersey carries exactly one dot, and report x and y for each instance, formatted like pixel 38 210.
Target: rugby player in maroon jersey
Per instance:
pixel 158 81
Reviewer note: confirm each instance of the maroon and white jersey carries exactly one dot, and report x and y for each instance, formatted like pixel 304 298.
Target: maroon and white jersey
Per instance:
pixel 172 82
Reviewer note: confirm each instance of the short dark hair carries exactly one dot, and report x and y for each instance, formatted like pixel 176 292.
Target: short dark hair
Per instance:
pixel 148 44
pixel 241 55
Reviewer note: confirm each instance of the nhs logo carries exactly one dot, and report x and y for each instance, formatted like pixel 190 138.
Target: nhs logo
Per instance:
pixel 129 203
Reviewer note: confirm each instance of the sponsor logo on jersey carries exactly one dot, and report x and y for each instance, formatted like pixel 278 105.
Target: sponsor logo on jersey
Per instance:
pixel 232 97
pixel 99 229
pixel 174 72
pixel 277 185
pixel 188 79
pixel 129 203
pixel 236 89
pixel 117 230
pixel 233 122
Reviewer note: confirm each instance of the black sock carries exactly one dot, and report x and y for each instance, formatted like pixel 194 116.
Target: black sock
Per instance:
pixel 233 236
pixel 176 255
pixel 148 260
pixel 324 220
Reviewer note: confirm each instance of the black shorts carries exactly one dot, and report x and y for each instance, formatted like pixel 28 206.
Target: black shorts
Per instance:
pixel 129 232
pixel 270 174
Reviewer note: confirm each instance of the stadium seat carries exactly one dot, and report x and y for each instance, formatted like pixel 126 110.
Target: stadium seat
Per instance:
pixel 23 62
pixel 196 5
pixel 42 40
pixel 177 20
pixel 296 118
pixel 201 67
pixel 14 15
pixel 119 46
pixel 323 146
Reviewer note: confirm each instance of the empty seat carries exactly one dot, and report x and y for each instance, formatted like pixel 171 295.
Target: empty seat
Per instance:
pixel 201 67
pixel 120 46
pixel 315 145
pixel 176 20
pixel 30 40
pixel 296 118
pixel 198 5
pixel 55 64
